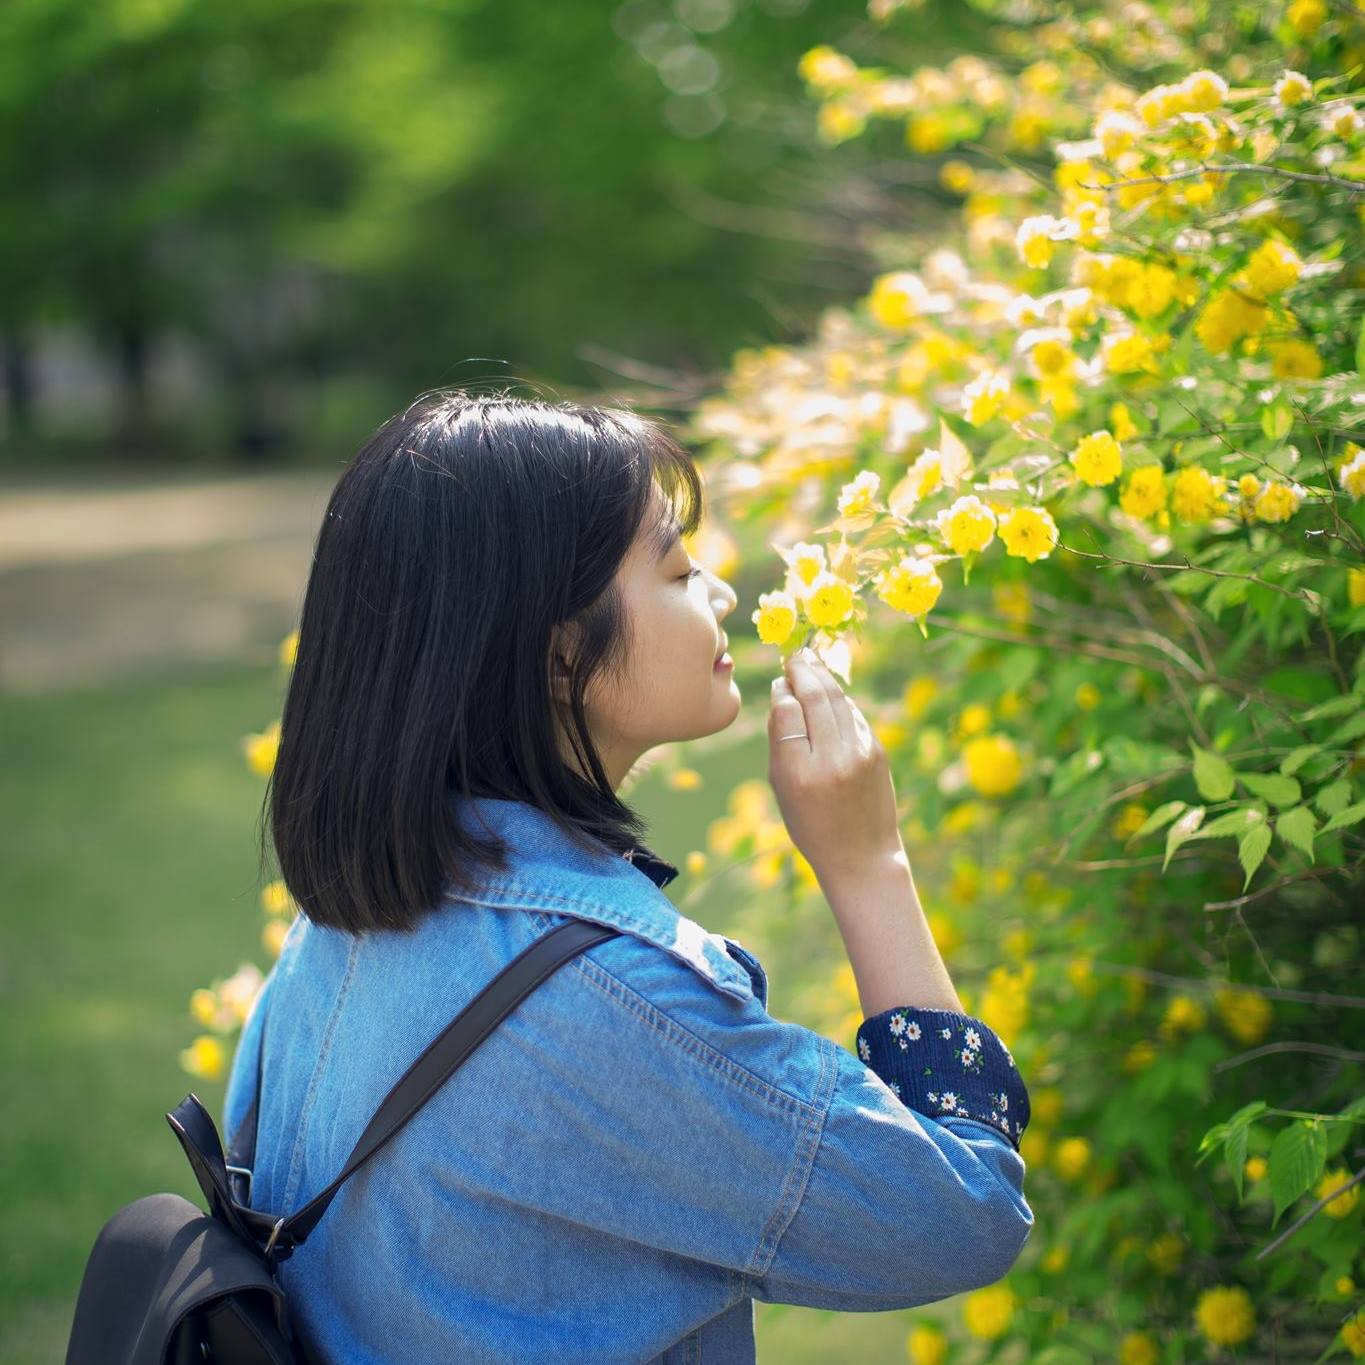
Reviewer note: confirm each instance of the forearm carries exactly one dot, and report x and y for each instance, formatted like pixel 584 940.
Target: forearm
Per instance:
pixel 886 935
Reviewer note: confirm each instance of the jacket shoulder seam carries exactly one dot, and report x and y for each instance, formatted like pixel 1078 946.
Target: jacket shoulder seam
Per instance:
pixel 650 1014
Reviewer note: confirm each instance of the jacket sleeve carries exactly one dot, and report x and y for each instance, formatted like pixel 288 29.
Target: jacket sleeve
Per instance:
pixel 764 1148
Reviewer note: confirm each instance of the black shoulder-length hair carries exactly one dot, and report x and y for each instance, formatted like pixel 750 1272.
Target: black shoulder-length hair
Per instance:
pixel 460 535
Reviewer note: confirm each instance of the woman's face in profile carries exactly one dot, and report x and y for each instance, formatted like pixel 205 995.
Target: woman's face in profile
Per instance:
pixel 672 688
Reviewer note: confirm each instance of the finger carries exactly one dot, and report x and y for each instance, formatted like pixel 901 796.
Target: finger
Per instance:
pixel 838 702
pixel 821 724
pixel 786 718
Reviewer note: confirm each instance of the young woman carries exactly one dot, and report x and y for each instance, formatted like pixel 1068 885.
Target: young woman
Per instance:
pixel 500 619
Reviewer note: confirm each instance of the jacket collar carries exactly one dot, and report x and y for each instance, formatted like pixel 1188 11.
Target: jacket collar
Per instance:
pixel 547 871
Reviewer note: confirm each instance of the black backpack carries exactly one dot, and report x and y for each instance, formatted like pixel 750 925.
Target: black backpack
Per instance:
pixel 167 1284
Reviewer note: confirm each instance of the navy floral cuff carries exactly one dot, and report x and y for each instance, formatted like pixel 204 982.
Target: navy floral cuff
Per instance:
pixel 946 1065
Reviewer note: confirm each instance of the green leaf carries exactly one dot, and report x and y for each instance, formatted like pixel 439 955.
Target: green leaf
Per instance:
pixel 1251 850
pixel 1297 1157
pixel 1213 774
pixel 1335 706
pixel 1277 421
pixel 1074 770
pixel 1352 815
pixel 1352 730
pixel 1297 827
pixel 1232 822
pixel 1360 349
pixel 1335 797
pixel 1235 1152
pixel 1296 758
pixel 1182 830
pixel 1279 791
pixel 1162 815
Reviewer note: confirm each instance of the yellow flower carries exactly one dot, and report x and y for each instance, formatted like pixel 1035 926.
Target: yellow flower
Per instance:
pixel 261 750
pixel 957 176
pixel 1098 458
pixel 205 1057
pixel 1034 241
pixel 1137 1348
pixel 1351 476
pixel 928 133
pixel 1129 820
pixel 911 586
pixel 696 863
pixel 1194 494
pixel 918 693
pixel 273 934
pixel 1294 358
pixel 1127 353
pixel 1278 501
pixel 967 525
pixel 1012 601
pixel 1306 16
pixel 946 934
pixel 859 494
pixel 1182 1013
pixel 276 900
pixel 205 1009
pixel 1293 88
pixel 1053 358
pixel 926 1345
pixel 1004 1003
pixel 1255 1168
pixel 1273 266
pixel 1345 1286
pixel 1228 317
pixel 830 602
pixel 1166 1252
pixel 1122 422
pixel 1139 1056
pixel 984 397
pixel 1017 944
pixel 897 299
pixel 1225 1316
pixel 1055 1260
pixel 1151 290
pixel 289 649
pixel 685 780
pixel 974 719
pixel 1245 1014
pixel 1355 587
pixel 1144 495
pixel 1009 704
pixel 993 765
pixel 837 122
pixel 1070 1157
pixel 1353 1334
pixel 1087 696
pixel 1028 533
pixel 1201 91
pixel 1080 972
pixel 1033 1145
pixel 987 1312
pixel 1247 485
pixel 1343 1203
pixel 775 617
pixel 1047 1106
pixel 825 69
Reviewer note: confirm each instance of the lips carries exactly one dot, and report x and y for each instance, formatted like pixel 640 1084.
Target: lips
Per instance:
pixel 723 648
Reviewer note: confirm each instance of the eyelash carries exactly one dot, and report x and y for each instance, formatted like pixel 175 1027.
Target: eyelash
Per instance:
pixel 689 575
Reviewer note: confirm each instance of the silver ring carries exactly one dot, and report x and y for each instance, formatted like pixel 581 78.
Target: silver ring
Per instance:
pixel 802 735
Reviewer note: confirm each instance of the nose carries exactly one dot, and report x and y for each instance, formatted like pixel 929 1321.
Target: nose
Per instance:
pixel 726 598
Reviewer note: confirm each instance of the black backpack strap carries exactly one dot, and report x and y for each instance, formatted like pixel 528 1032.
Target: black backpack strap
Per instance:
pixel 432 1068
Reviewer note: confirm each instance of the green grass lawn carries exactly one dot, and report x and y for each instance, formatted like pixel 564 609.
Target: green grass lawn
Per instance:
pixel 128 826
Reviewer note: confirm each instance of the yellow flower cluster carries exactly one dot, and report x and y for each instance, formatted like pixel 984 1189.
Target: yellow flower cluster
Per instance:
pixel 1225 1316
pixel 1098 459
pixel 987 1313
pixel 1183 1014
pixel 1245 1014
pixel 1343 1203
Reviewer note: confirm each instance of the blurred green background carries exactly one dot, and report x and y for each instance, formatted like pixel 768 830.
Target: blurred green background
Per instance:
pixel 236 238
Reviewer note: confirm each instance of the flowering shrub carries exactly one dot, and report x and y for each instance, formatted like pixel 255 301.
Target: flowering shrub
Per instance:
pixel 1077 496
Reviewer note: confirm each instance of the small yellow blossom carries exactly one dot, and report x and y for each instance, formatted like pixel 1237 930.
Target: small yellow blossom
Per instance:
pixel 974 719
pixel 1278 501
pixel 824 69
pixel 1293 88
pixel 696 862
pixel 1248 485
pixel 967 525
pixel 830 602
pixel 917 695
pixel 911 586
pixel 1129 820
pixel 957 176
pixel 1098 458
pixel 1245 1014
pixel 1122 422
pixel 1353 1334
pixel 685 780
pixel 860 494
pixel 262 749
pixel 206 1058
pixel 993 764
pixel 926 1345
pixel 1202 91
pixel 1227 318
pixel 1166 1253
pixel 1127 353
pixel 1225 1315
pixel 1355 587
pixel 1255 1168
pixel 1087 696
pixel 1144 495
pixel 775 617
pixel 276 900
pixel 1055 1260
pixel 1028 533
pixel 1344 1202
pixel 273 934
pixel 1306 16
pixel 1071 1157
pixel 1345 1286
pixel 1194 494
pixel 1273 267
pixel 1294 358
pixel 988 1312
pixel 897 299
pixel 984 397
pixel 1034 240
pixel 1185 1013
pixel 1033 1146
pixel 289 649
pixel 1139 1056
pixel 1351 476
pixel 1137 1348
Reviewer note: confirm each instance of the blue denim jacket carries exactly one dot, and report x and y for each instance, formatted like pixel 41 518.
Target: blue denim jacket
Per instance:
pixel 635 1154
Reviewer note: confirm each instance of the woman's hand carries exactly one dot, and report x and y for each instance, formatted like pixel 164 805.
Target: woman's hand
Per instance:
pixel 833 787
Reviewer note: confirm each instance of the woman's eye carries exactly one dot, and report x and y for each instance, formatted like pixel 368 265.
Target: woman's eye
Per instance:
pixel 690 574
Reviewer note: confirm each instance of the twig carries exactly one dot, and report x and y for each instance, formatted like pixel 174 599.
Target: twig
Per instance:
pixel 1233 168
pixel 1318 1049
pixel 1308 874
pixel 1298 1223
pixel 1354 1002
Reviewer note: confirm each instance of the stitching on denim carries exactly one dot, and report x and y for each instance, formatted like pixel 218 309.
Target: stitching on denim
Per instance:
pixel 649 1013
pixel 305 1110
pixel 803 1161
pixel 727 974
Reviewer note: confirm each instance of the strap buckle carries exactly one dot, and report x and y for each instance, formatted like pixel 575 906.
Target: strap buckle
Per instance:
pixel 241 1171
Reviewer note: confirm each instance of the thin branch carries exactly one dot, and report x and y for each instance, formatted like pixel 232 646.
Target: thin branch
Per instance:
pixel 1233 168
pixel 1353 1002
pixel 1308 874
pixel 1317 1049
pixel 1298 1223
